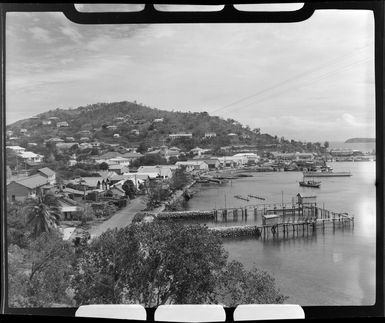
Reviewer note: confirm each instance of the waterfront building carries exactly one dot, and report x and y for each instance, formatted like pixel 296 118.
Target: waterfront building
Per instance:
pixel 212 163
pixel 251 157
pixel 233 161
pixel 297 156
pixel 163 171
pixel 193 165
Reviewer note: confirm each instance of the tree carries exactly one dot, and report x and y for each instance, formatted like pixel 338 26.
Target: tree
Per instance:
pixel 157 192
pixel 129 188
pixel 17 232
pixel 179 179
pixel 85 214
pixel 166 263
pixel 43 213
pixel 326 144
pixel 151 264
pixel 142 148
pixel 40 275
pixel 239 286
pixel 103 166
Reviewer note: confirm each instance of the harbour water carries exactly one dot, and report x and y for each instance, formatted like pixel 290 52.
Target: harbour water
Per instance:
pixel 322 268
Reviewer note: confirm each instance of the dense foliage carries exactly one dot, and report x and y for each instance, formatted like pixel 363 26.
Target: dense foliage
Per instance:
pixel 135 124
pixel 157 263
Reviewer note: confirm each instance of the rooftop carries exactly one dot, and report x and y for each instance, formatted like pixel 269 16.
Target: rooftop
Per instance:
pixel 46 171
pixel 32 181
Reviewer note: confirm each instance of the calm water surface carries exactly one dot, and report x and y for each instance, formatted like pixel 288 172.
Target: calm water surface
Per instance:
pixel 325 268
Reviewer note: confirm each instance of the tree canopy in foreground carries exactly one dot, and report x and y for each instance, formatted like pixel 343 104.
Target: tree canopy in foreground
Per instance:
pixel 166 263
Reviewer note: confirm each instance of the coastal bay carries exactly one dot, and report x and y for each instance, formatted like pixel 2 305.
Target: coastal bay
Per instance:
pixel 324 268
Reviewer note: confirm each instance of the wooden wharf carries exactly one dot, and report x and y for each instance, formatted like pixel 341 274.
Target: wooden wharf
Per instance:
pixel 292 219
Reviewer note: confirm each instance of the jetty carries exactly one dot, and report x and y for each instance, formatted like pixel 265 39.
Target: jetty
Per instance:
pixel 256 197
pixel 271 220
pixel 241 198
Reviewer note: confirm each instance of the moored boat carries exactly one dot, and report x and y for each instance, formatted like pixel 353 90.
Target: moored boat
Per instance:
pixel 325 172
pixel 310 184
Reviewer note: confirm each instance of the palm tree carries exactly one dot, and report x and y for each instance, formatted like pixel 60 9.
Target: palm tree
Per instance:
pixel 42 213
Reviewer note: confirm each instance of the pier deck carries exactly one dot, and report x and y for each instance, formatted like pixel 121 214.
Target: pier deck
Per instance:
pixel 290 219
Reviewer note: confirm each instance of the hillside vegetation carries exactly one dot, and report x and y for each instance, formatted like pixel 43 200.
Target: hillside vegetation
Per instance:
pixel 136 128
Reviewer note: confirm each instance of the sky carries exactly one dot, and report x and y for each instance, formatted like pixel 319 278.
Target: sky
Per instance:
pixel 308 81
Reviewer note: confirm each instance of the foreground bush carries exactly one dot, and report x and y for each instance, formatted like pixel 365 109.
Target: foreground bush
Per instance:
pixel 166 263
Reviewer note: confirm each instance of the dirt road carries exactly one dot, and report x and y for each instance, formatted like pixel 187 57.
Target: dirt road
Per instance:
pixel 120 219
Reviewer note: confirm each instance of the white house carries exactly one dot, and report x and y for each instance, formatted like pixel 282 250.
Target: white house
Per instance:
pixel 49 174
pixel 31 157
pixel 163 171
pixel 232 161
pixel 249 156
pixel 62 124
pixel 193 165
pixel 118 161
pixel 180 135
pixel 198 151
pixel 210 134
pixel 46 122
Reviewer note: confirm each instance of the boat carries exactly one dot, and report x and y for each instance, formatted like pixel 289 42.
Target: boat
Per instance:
pixel 325 171
pixel 310 184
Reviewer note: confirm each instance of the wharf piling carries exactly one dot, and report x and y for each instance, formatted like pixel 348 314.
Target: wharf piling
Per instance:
pixel 290 219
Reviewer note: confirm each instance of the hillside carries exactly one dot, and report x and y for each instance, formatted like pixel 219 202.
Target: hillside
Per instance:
pixel 359 140
pixel 141 126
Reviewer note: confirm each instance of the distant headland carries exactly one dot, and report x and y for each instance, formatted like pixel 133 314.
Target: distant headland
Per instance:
pixel 359 140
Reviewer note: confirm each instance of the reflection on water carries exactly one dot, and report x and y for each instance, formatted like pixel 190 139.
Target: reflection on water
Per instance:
pixel 331 267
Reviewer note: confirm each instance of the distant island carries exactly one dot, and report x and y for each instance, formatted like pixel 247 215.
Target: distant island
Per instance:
pixel 359 140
